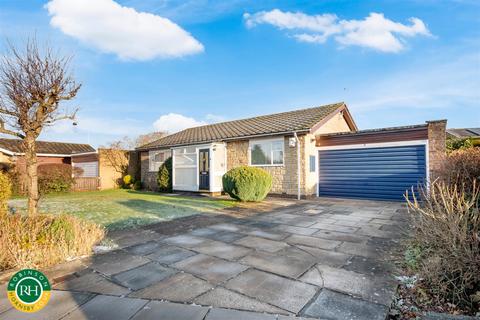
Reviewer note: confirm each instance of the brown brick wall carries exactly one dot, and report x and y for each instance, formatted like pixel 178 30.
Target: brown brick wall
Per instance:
pixel 436 146
pixel 284 177
pixel 149 179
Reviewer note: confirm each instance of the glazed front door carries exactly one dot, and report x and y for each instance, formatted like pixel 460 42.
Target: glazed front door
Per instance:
pixel 204 168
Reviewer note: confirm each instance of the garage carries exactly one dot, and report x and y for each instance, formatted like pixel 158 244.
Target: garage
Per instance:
pixel 371 173
pixel 379 164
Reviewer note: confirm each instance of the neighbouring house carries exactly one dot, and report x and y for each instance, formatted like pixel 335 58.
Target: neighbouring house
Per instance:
pixel 309 152
pixel 461 133
pixel 81 156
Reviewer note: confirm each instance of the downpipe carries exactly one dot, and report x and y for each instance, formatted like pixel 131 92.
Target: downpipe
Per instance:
pixel 298 164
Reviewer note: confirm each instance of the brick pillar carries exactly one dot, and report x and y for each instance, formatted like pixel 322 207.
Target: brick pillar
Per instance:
pixel 436 146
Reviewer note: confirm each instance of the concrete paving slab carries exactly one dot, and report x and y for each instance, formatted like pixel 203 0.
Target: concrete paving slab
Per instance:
pixel 296 230
pixel 170 254
pixel 226 227
pixel 143 249
pixel 181 287
pixel 185 240
pixel 290 262
pixel 272 235
pixel 359 249
pixel 340 236
pixel 337 306
pixel 373 267
pixel 222 314
pixel 143 276
pixel 221 250
pixel 313 242
pixel 226 236
pixel 210 268
pixel 156 310
pixel 92 282
pixel 107 307
pixel 375 232
pixel 223 298
pixel 328 257
pixel 116 261
pixel 262 244
pixel 287 294
pixel 60 304
pixel 202 232
pixel 135 236
pixel 334 227
pixel 374 289
pixel 4 302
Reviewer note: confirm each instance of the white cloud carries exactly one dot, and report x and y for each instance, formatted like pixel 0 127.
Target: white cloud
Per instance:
pixel 375 31
pixel 174 122
pixel 214 118
pixel 112 28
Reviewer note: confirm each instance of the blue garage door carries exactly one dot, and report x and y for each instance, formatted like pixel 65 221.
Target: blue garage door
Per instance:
pixel 371 173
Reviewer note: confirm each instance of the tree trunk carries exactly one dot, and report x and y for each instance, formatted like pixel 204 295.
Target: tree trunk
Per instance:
pixel 32 177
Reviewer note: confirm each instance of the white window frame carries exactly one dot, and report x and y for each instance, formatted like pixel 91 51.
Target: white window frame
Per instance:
pixel 271 140
pixel 151 156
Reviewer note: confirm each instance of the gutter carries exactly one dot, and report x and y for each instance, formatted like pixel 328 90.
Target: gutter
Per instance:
pixel 298 165
pixel 53 155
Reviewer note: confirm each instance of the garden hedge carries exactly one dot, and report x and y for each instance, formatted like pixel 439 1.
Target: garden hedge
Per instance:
pixel 247 183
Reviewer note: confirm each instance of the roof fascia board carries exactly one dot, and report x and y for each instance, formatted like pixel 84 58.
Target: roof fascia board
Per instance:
pixel 349 121
pixel 10 153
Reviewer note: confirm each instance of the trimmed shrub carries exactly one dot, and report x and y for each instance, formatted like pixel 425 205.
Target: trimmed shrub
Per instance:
pixel 54 178
pixel 127 180
pixel 43 240
pixel 446 244
pixel 247 183
pixel 5 192
pixel 164 177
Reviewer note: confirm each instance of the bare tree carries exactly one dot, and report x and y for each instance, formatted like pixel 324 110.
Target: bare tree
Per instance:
pixel 115 155
pixel 33 85
pixel 144 139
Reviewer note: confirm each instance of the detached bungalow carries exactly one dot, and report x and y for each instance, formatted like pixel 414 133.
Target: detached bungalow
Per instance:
pixel 289 146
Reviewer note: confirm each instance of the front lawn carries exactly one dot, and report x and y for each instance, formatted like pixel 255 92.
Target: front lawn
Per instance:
pixel 120 209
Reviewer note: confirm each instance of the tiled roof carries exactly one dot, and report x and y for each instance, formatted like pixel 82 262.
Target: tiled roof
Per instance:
pixel 298 120
pixel 464 132
pixel 46 147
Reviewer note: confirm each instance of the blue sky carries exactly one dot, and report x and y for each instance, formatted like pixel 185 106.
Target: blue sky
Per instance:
pixel 193 62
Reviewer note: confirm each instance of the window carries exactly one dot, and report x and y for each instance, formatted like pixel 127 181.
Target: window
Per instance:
pixel 157 158
pixel 85 169
pixel 312 163
pixel 266 152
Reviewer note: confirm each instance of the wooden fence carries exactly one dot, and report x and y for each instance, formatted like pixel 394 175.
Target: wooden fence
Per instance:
pixel 86 184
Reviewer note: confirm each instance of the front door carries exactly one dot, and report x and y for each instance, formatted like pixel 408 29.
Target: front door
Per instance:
pixel 204 168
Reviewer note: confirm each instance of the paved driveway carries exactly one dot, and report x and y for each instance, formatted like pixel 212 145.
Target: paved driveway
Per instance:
pixel 323 258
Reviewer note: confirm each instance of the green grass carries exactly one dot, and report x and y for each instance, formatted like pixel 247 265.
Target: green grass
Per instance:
pixel 120 209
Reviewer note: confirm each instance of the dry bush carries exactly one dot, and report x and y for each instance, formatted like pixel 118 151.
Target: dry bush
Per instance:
pixel 43 240
pixel 447 226
pixel 462 167
pixel 5 192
